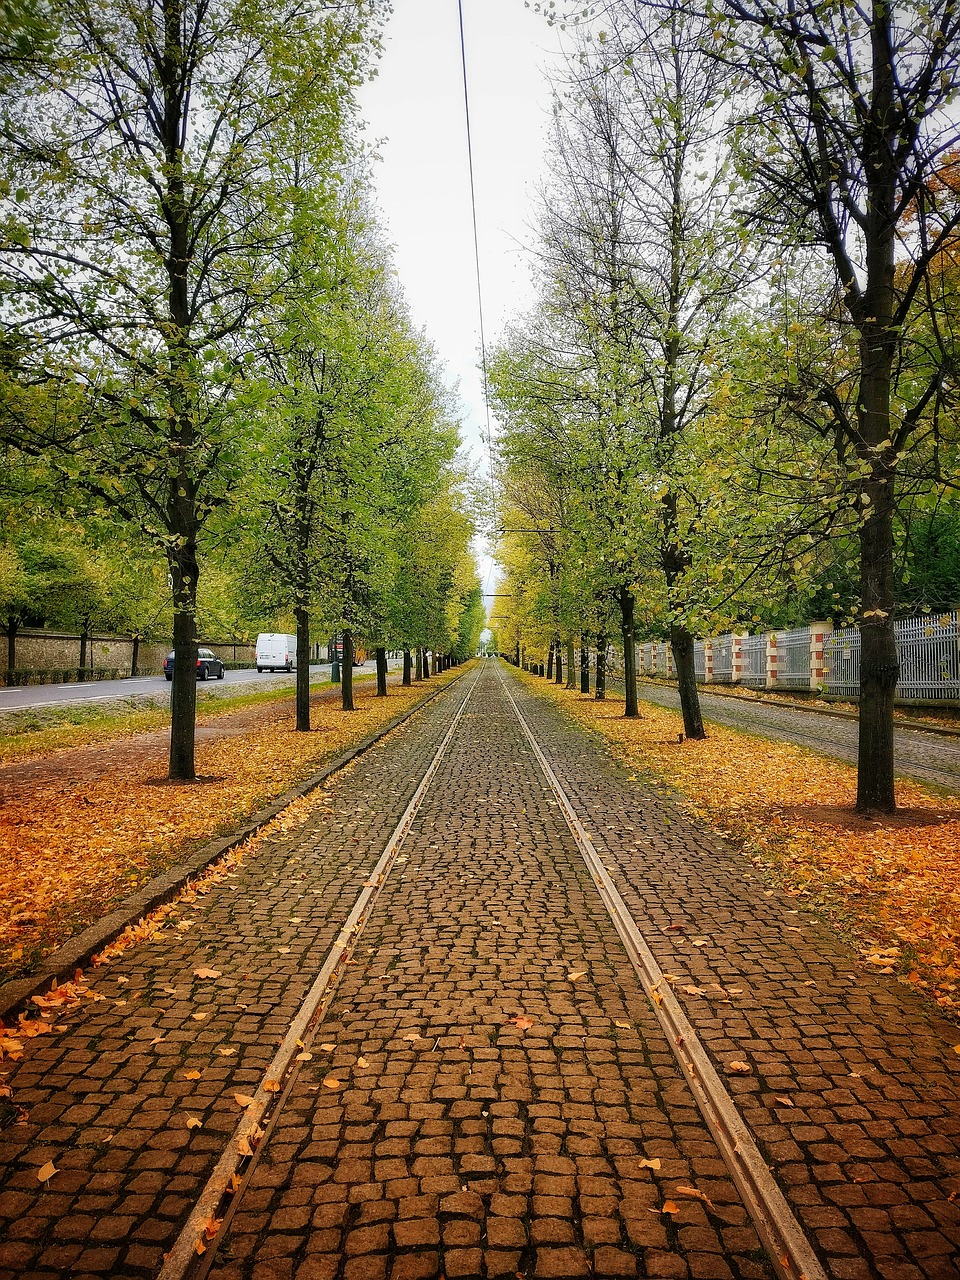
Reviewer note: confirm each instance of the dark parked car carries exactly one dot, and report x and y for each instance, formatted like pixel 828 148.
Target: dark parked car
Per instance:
pixel 208 664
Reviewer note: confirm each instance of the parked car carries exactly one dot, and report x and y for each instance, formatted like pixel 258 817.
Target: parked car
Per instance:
pixel 208 665
pixel 276 650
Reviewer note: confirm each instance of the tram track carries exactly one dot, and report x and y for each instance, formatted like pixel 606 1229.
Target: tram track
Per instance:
pixel 194 1252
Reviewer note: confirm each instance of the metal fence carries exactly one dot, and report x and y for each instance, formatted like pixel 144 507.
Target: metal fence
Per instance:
pixel 793 658
pixel 753 661
pixel 929 650
pixel 723 659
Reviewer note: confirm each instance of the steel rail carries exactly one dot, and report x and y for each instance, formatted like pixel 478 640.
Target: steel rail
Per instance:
pixel 226 1178
pixel 790 1251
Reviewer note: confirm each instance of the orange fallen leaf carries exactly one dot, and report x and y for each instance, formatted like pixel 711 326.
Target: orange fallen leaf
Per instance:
pixel 207 973
pixel 191 1075
pixel 694 991
pixel 331 1082
pixel 271 1086
pixel 306 1056
pixel 694 1194
pixel 523 1021
pixel 46 1172
pixel 653 1163
pixel 211 1227
pixel 739 1068
pixel 669 1206
pixel 194 1123
pixel 243 1099
pixel 784 1102
pixel 199 1017
pixel 362 1063
pixel 576 974
pixel 243 1147
pixel 329 1048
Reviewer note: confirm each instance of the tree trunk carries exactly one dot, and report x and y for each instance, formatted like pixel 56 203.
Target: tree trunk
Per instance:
pixel 419 672
pixel 571 665
pixel 558 650
pixel 584 664
pixel 601 682
pixel 303 668
pixel 381 656
pixel 879 663
pixel 183 694
pixel 628 629
pixel 681 641
pixel 436 663
pixel 135 655
pixel 346 686
pixel 82 669
pixel 406 669
pixel 13 626
pixel 550 661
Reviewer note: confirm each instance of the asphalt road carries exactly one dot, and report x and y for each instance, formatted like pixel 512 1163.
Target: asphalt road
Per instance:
pixel 48 695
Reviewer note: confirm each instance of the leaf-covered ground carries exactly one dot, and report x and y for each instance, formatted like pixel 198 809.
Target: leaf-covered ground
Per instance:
pixel 81 828
pixel 893 883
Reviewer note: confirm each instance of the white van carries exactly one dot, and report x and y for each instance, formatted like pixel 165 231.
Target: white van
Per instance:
pixel 276 652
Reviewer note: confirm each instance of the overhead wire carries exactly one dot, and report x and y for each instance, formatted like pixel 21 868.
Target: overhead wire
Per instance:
pixel 488 437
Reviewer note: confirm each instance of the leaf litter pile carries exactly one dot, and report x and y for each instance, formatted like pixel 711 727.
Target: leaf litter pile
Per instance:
pixel 82 828
pixel 893 883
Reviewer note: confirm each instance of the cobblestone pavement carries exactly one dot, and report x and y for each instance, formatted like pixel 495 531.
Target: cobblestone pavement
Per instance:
pixel 457 1141
pixel 925 756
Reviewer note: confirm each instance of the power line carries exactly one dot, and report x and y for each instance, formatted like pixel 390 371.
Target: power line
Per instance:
pixel 476 250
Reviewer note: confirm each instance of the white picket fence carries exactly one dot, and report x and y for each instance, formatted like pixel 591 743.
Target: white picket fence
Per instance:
pixel 816 657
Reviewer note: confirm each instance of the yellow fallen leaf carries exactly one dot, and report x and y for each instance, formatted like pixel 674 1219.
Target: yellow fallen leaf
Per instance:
pixel 739 1068
pixel 626 1026
pixel 226 1050
pixel 243 1099
pixel 694 991
pixel 576 974
pixel 194 1123
pixel 362 1063
pixel 46 1172
pixel 649 1164
pixel 306 1056
pixel 207 973
pixel 329 1048
pixel 199 1017
pixel 243 1147
pixel 412 1035
pixel 331 1082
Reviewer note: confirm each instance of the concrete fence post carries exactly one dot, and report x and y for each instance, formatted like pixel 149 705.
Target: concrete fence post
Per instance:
pixel 819 633
pixel 708 662
pixel 772 670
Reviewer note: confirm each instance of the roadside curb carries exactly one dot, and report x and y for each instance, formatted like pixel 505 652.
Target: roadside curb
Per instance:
pixel 75 953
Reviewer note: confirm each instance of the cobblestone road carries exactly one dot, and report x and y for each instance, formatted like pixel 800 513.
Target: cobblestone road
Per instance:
pixel 458 1142
pixel 928 757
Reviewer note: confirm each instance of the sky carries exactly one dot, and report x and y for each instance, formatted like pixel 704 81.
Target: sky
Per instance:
pixel 415 107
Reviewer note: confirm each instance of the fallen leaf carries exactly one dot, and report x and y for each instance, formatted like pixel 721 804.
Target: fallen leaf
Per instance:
pixel 669 1206
pixel 694 991
pixel 191 1075
pixel 207 973
pixel 199 1017
pixel 242 1099
pixel 193 1122
pixel 700 942
pixel 283 950
pixel 362 1063
pixel 523 1021
pixel 306 1056
pixel 956 1048
pixel 411 1035
pixel 329 1048
pixel 243 1147
pixel 211 1227
pixel 624 1026
pixel 271 1086
pixel 157 1040
pixel 331 1082
pixel 739 1068
pixel 693 1194
pixel 46 1172
pixel 226 1050
pixel 576 974
pixel 784 1102
pixel 654 1163
pixel 675 928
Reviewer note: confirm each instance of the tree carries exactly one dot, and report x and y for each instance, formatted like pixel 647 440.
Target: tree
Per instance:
pixel 848 123
pixel 147 162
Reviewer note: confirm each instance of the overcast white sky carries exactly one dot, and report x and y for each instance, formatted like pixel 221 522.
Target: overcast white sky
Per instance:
pixel 416 107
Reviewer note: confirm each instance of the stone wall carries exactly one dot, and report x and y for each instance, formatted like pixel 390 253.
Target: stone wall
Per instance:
pixel 48 650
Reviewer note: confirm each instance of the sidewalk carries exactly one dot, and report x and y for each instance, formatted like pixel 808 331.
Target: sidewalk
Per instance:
pixel 491 1092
